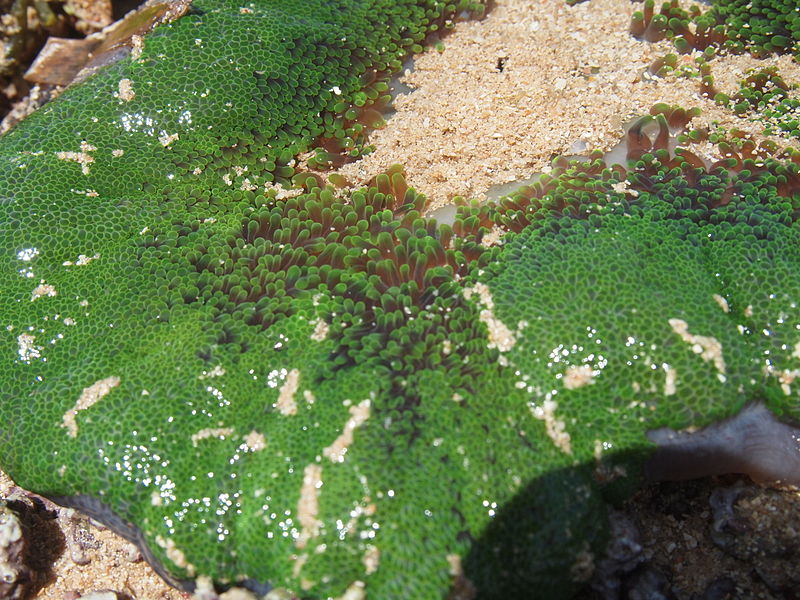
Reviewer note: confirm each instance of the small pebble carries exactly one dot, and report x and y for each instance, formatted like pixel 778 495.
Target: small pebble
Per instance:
pixel 204 589
pixel 100 595
pixel 80 540
pixel 79 556
pixel 691 541
pixel 132 553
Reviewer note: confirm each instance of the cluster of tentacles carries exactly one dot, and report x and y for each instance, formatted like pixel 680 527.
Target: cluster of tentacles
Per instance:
pixel 397 274
pixel 760 27
pixel 764 95
pixel 578 187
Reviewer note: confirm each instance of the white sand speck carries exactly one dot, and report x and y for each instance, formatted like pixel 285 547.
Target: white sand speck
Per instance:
pixel 308 504
pixel 286 404
pixel 358 415
pixel 709 348
pixel 88 398
pixel 219 433
pixel 555 428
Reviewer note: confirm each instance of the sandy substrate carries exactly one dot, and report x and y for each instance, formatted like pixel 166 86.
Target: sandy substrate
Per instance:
pixel 533 80
pixel 78 556
pixel 571 79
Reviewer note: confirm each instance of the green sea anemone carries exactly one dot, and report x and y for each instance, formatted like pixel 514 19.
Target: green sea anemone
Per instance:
pixel 278 383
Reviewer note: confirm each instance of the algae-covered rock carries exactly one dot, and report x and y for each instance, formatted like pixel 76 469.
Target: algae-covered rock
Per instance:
pixel 323 392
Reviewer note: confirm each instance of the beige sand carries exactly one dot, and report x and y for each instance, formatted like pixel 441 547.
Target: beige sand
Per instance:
pixel 572 78
pixel 91 558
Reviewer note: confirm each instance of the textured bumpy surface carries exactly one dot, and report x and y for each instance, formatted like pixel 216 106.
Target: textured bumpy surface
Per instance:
pixel 766 96
pixel 760 27
pixel 325 392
